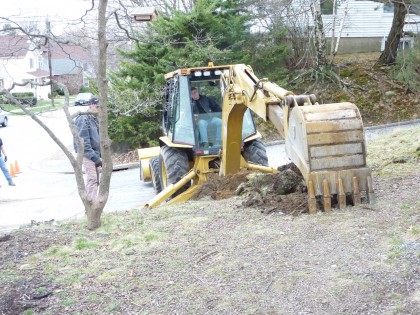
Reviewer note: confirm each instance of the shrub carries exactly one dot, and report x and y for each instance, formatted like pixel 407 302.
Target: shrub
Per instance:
pixel 25 98
pixel 407 69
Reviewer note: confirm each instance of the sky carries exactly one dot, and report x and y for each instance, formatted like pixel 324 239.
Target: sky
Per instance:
pixel 59 12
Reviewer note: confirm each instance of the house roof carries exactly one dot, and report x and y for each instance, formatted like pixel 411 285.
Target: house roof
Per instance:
pixel 414 9
pixel 14 46
pixel 66 66
pixel 66 52
pixel 66 59
pixel 39 73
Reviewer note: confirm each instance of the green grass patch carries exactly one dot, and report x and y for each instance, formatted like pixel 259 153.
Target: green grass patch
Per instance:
pixel 395 154
pixel 414 230
pixel 396 249
pixel 397 242
pixel 68 302
pixel 151 237
pixel 84 243
pixel 59 251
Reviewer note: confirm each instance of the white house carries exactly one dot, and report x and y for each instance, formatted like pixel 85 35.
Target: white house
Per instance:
pixel 20 62
pixel 366 25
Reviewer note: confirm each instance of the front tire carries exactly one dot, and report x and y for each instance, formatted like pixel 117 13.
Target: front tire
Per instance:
pixel 173 165
pixel 254 151
pixel 5 122
pixel 155 174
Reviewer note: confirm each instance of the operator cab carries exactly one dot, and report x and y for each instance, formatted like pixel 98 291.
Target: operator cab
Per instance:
pixel 186 120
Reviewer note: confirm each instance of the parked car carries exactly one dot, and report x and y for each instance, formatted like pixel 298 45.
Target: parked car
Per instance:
pixel 4 118
pixel 84 99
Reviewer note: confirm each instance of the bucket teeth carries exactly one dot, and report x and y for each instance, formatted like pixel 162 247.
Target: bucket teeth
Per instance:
pixel 311 197
pixel 370 193
pixel 341 195
pixel 327 192
pixel 356 192
pixel 327 196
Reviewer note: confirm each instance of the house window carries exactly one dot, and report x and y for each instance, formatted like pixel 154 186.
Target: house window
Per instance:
pixel 327 6
pixel 388 7
pixel 31 63
pixel 86 83
pixel 404 44
pixel 1 83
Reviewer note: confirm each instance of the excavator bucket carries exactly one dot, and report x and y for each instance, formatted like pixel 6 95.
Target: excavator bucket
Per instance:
pixel 327 144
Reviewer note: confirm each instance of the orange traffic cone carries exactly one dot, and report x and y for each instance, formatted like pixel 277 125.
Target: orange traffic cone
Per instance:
pixel 17 171
pixel 12 170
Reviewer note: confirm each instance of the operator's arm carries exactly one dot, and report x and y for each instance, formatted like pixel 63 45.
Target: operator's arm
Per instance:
pixel 84 127
pixel 214 106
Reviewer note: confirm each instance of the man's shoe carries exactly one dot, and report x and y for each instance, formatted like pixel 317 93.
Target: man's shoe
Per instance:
pixel 12 184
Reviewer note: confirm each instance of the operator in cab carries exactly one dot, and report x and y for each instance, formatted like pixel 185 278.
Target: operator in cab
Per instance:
pixel 204 106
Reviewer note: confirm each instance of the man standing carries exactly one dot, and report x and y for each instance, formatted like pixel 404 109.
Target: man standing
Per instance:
pixel 3 160
pixel 88 127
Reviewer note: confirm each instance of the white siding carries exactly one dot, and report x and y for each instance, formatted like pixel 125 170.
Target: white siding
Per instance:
pixel 15 69
pixel 365 19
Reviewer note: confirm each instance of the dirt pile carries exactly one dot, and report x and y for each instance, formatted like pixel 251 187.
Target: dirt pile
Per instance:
pixel 125 158
pixel 284 192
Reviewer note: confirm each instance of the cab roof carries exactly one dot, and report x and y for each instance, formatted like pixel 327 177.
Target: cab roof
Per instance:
pixel 188 71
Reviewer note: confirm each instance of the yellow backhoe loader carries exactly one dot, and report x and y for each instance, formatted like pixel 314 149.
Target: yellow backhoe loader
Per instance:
pixel 326 142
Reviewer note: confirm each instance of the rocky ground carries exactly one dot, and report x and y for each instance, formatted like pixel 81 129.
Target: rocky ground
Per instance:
pixel 221 257
pixel 239 248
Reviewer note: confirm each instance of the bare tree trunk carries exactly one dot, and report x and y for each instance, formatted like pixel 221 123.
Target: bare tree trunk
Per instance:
pixel 389 55
pixel 346 11
pixel 320 45
pixel 333 26
pixel 94 208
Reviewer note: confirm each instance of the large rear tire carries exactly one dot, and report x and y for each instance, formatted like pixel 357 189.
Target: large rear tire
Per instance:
pixel 254 151
pixel 173 164
pixel 155 174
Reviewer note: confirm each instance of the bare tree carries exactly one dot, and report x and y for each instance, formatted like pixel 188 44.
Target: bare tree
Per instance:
pixel 319 36
pixel 94 208
pixel 389 54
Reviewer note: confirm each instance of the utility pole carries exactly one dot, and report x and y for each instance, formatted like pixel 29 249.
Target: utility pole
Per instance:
pixel 49 61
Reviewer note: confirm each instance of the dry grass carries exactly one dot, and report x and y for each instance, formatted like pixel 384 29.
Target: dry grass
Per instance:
pixel 219 257
pixel 396 154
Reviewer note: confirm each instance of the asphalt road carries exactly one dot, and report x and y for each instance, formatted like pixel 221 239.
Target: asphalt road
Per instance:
pixel 46 188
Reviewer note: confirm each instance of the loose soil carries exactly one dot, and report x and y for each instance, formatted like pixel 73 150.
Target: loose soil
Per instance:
pixel 284 192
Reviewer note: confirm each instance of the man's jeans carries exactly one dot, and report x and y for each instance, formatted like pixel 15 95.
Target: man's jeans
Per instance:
pixel 92 178
pixel 202 127
pixel 6 173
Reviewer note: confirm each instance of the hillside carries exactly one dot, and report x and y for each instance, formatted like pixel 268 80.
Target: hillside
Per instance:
pixel 379 98
pixel 226 257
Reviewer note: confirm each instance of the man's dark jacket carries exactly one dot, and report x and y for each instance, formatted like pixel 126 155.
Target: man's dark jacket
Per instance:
pixel 205 105
pixel 88 128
